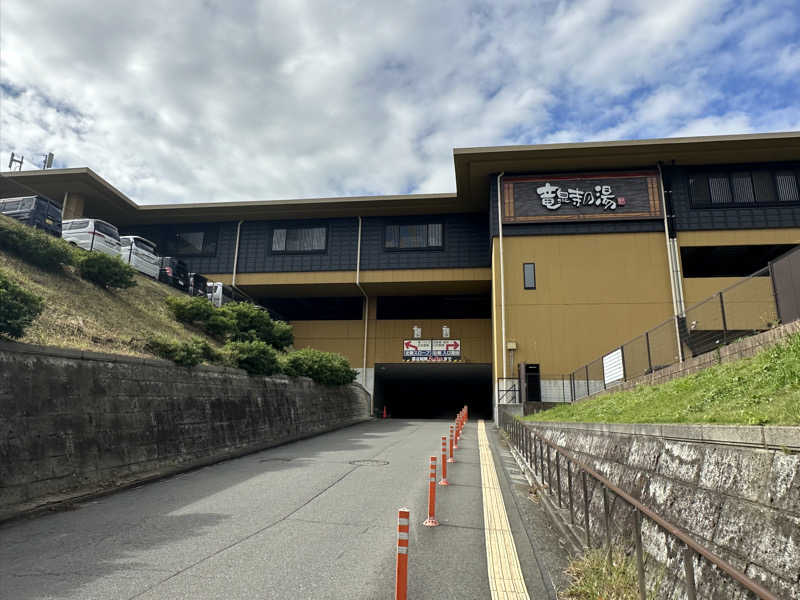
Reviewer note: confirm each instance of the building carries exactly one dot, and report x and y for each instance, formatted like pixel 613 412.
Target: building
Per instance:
pixel 597 243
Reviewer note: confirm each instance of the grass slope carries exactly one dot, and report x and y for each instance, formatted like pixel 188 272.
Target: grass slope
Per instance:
pixel 81 315
pixel 762 390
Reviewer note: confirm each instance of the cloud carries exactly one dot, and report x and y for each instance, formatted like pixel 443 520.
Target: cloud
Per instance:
pixel 234 100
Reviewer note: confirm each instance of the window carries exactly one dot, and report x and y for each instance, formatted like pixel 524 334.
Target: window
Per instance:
pixel 192 241
pixel 145 245
pixel 720 188
pixel 529 275
pixel 300 239
pixel 106 229
pixel 82 224
pixel 731 187
pixel 125 241
pixel 414 236
pixel 743 188
pixel 786 184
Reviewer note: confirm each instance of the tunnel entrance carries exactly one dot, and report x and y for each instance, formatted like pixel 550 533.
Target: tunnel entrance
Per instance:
pixel 433 391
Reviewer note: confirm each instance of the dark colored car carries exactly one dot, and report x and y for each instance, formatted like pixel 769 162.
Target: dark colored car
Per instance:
pixel 174 272
pixel 34 211
pixel 198 285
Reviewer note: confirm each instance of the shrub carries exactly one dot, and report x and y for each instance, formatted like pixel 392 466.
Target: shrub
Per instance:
pixel 220 325
pixel 252 322
pixel 18 308
pixel 327 368
pixel 255 357
pixel 186 354
pixel 34 246
pixel 190 309
pixel 282 336
pixel 106 271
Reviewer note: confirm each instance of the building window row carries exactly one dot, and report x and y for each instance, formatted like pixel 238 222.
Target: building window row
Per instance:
pixel 299 239
pixel 417 236
pixel 743 187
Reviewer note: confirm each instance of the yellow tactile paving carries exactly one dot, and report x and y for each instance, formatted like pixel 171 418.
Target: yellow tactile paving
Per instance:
pixel 505 574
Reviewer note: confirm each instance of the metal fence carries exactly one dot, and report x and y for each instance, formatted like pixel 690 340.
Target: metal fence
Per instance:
pixel 746 308
pixel 627 523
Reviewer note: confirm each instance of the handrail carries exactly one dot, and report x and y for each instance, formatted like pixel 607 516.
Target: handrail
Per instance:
pixel 673 530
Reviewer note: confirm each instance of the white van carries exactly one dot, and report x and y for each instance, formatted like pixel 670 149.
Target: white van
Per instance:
pixel 141 254
pixel 92 234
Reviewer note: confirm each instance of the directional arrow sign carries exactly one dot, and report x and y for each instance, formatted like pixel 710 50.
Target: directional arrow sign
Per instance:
pixel 416 348
pixel 451 348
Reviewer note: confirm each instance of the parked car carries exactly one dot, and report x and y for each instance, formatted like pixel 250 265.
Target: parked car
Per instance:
pixel 220 294
pixel 92 234
pixel 173 272
pixel 35 211
pixel 141 254
pixel 198 285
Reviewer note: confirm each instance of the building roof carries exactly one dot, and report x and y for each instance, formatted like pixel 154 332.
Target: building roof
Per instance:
pixel 473 167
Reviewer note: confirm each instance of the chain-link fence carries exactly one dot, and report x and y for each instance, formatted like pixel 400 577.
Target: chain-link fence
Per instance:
pixel 743 309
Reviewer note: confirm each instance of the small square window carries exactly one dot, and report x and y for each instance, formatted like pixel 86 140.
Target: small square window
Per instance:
pixel 529 275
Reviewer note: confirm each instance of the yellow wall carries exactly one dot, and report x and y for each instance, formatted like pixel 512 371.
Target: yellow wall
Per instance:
pixel 385 337
pixel 592 293
pixel 736 237
pixel 748 305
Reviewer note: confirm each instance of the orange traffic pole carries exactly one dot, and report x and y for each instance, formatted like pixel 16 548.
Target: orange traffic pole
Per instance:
pixel 431 520
pixel 451 459
pixel 401 571
pixel 444 481
pixel 455 437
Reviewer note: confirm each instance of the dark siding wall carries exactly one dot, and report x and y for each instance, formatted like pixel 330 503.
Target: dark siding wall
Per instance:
pixel 255 253
pixel 221 263
pixel 466 244
pixel 693 219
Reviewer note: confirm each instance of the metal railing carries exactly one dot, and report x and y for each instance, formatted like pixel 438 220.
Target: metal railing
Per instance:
pixel 576 486
pixel 508 390
pixel 746 308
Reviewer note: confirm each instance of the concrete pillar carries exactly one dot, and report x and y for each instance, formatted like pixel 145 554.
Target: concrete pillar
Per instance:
pixel 73 206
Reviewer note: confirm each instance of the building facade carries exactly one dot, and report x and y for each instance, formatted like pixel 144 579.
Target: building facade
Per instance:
pixel 546 257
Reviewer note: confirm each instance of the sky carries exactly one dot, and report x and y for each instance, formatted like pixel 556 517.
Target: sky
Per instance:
pixel 215 100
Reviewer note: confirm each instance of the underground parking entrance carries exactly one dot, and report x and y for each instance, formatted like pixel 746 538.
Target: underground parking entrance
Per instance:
pixel 418 390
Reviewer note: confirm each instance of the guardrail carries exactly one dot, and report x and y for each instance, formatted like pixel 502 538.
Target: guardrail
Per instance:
pixel 548 461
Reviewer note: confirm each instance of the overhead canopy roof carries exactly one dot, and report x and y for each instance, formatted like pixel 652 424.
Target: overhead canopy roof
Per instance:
pixel 473 166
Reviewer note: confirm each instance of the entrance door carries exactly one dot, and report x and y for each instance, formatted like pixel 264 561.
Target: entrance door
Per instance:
pixel 530 382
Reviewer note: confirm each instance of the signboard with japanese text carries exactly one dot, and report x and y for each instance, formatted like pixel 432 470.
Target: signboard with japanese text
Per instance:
pixel 572 197
pixel 416 349
pixel 448 347
pixel 431 350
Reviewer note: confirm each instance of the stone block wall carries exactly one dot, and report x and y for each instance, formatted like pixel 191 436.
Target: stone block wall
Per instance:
pixel 73 422
pixel 738 496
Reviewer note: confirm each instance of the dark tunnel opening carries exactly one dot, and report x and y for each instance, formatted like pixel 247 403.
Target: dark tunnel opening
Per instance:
pixel 433 391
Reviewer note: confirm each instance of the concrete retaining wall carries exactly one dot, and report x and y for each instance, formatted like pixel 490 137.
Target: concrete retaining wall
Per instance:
pixel 75 423
pixel 734 495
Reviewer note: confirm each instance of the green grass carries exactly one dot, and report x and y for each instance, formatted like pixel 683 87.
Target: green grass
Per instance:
pixel 79 314
pixel 762 390
pixel 591 578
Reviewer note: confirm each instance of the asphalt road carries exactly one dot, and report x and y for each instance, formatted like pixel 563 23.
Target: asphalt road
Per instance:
pixel 311 519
